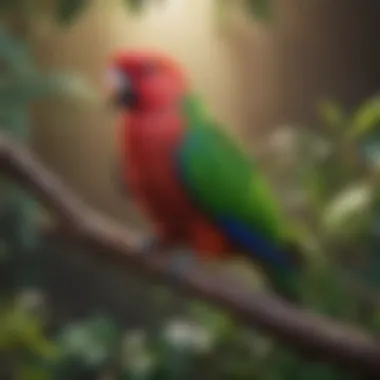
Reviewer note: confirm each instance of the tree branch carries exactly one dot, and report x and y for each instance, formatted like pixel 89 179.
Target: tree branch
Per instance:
pixel 309 333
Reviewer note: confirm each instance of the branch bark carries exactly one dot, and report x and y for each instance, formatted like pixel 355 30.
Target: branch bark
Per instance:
pixel 311 334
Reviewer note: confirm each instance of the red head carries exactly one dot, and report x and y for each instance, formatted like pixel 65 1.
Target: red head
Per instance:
pixel 143 80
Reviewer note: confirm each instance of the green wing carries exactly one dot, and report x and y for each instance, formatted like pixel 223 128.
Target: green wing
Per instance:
pixel 223 179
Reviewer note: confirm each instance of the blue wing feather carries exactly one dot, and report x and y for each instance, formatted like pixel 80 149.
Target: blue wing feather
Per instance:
pixel 254 245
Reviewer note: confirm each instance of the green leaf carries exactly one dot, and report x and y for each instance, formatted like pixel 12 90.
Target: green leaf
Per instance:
pixel 19 91
pixel 261 9
pixel 331 113
pixel 349 205
pixel 135 5
pixel 366 118
pixel 68 10
pixel 20 330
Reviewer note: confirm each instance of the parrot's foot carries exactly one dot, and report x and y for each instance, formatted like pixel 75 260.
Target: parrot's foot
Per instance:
pixel 182 260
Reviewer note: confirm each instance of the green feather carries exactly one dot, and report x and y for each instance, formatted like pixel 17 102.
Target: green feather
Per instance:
pixel 225 181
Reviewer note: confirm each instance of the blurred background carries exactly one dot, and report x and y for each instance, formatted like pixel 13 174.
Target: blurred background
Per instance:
pixel 284 76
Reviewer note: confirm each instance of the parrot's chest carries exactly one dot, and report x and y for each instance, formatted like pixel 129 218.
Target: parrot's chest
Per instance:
pixel 151 168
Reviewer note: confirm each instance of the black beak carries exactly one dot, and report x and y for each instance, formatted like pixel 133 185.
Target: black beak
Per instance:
pixel 125 96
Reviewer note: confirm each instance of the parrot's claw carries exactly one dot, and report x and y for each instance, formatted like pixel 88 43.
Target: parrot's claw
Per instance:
pixel 182 260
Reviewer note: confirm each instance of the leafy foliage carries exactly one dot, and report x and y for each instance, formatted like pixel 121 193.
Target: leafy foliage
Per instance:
pixel 136 5
pixel 259 8
pixel 337 168
pixel 67 10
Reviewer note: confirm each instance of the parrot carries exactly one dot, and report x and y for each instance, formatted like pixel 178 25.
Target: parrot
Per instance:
pixel 192 180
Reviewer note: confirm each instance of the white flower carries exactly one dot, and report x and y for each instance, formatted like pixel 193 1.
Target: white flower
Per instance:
pixel 347 204
pixel 188 335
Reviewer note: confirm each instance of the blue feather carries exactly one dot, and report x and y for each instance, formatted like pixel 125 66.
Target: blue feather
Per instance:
pixel 257 247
